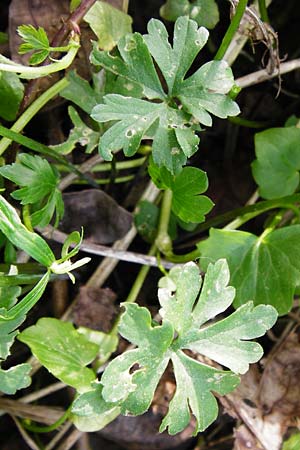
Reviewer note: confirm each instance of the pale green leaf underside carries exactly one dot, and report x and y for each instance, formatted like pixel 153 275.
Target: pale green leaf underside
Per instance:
pixel 62 350
pixel 265 270
pixel 15 378
pixel 108 23
pixel 277 152
pixel 90 412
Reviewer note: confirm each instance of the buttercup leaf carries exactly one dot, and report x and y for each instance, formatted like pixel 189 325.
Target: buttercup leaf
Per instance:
pixel 171 126
pixel 130 379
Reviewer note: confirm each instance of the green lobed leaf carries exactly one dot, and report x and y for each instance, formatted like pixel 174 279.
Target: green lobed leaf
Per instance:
pixel 266 270
pixel 80 92
pixel 136 118
pixel 204 12
pixel 38 181
pixel 31 243
pixel 187 203
pixel 276 169
pixel 194 385
pixel 130 379
pixel 134 63
pixel 11 94
pixel 81 134
pixel 187 42
pixel 135 390
pixel 171 126
pixel 108 23
pixel 15 378
pixel 62 350
pixel 34 39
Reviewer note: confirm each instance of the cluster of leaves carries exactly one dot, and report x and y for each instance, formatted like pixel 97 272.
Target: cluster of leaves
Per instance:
pixel 172 128
pixel 13 313
pixel 129 381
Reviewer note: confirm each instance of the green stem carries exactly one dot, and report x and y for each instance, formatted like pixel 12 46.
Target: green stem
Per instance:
pixel 44 150
pixel 244 215
pixel 163 240
pixel 29 72
pixel 240 9
pixel 26 218
pixel 108 180
pixel 49 428
pixel 247 213
pixel 263 11
pixel 139 281
pixel 249 123
pixel 136 287
pixel 32 110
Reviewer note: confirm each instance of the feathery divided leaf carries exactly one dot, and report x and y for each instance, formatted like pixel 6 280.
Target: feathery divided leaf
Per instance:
pixel 35 39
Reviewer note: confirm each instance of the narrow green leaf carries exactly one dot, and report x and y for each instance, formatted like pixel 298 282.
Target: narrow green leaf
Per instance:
pixel 62 350
pixel 108 23
pixel 12 227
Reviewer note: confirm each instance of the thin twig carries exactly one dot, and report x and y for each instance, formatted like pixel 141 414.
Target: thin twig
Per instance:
pixel 70 440
pixel 65 428
pixel 42 392
pixel 262 75
pixel 29 441
pixel 84 168
pixel 101 250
